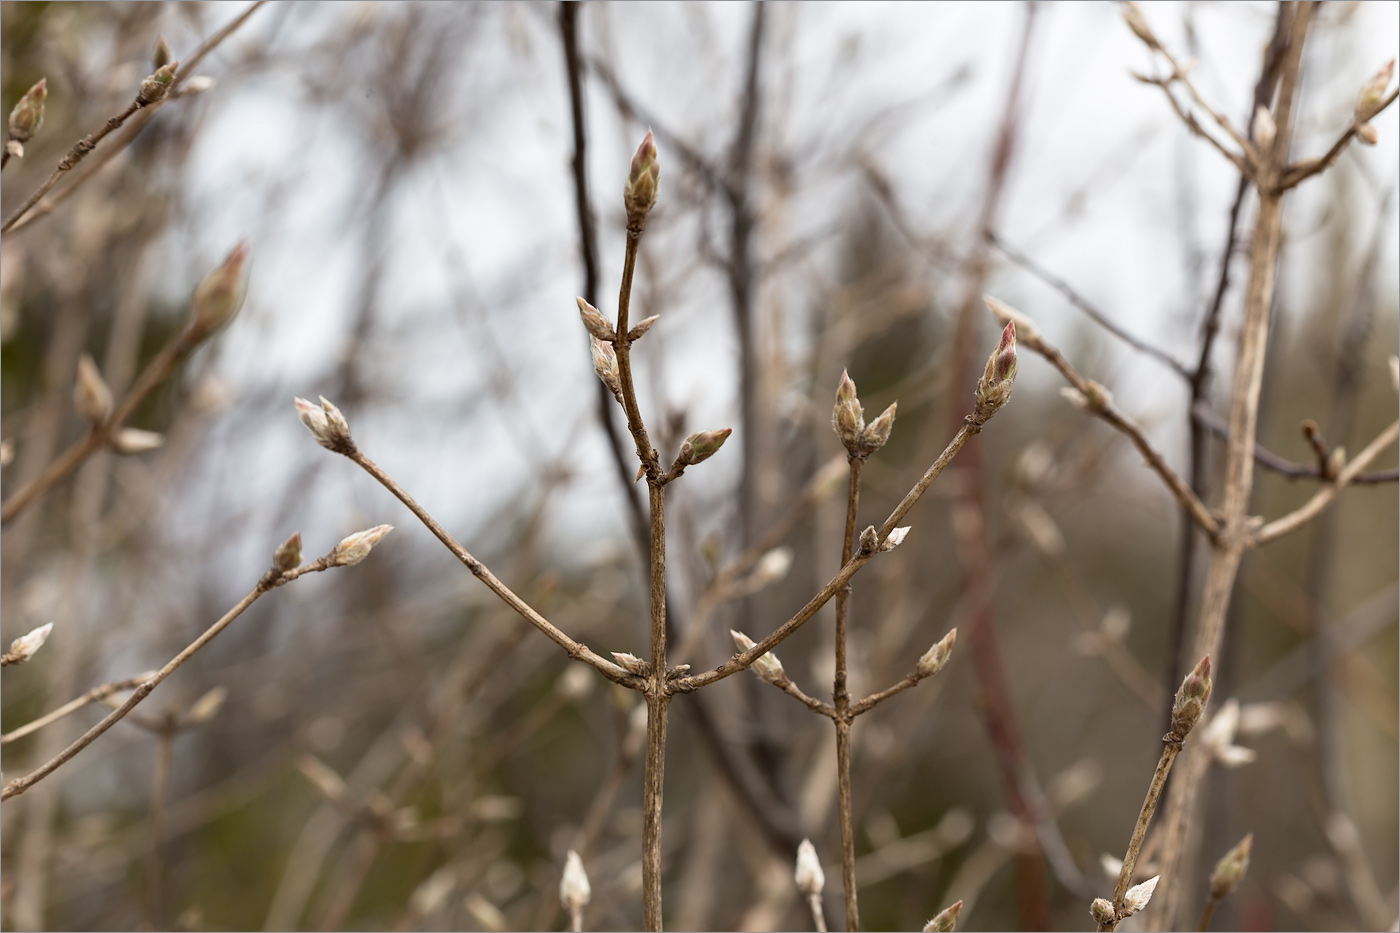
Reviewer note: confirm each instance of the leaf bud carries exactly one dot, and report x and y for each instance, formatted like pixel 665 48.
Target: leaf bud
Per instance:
pixel 135 441
pixel 1231 868
pixel 895 538
pixel 24 647
pixel 809 875
pixel 847 419
pixel 643 179
pixel 605 365
pixel 356 547
pixel 632 664
pixel 1191 699
pixel 994 388
pixel 878 431
pixel 219 297
pixel 702 446
pixel 1366 134
pixel 91 397
pixel 1101 910
pixel 574 889
pixel 325 423
pixel 645 325
pixel 593 319
pixel 157 85
pixel 28 112
pixel 932 660
pixel 767 667
pixel 288 554
pixel 1139 895
pixel 161 56
pixel 945 920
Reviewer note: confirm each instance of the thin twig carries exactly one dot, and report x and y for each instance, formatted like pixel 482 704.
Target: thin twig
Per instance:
pixel 1302 171
pixel 842 720
pixel 1265 457
pixel 95 695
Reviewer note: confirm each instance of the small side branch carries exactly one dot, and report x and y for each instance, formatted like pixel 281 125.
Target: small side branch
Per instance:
pixel 1300 172
pixel 95 695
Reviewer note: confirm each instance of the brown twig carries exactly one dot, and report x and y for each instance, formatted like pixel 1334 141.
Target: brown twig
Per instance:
pixel 95 695
pixel 1300 172
pixel 1266 458
pixel 842 720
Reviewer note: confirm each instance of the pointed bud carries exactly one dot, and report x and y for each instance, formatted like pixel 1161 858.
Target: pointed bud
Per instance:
pixel 773 566
pixel 994 389
pixel 645 325
pixel 639 194
pixel 1264 128
pixel 1372 96
pixel 1132 15
pixel 809 875
pixel 932 660
pixel 206 707
pixel 574 889
pixel 288 554
pixel 605 365
pixel 218 298
pixel 632 664
pixel 157 85
pixel 847 419
pixel 161 56
pixel 91 397
pixel 702 446
pixel 325 423
pixel 129 441
pixel 1192 698
pixel 1231 869
pixel 1367 134
pixel 593 319
pixel 869 540
pixel 1139 895
pixel 23 647
pixel 28 113
pixel 767 667
pixel 356 547
pixel 945 920
pixel 895 539
pixel 1101 910
pixel 878 431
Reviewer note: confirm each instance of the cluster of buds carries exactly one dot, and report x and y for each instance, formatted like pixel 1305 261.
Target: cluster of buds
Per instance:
pixel 288 554
pixel 26 117
pixel 994 388
pixel 326 424
pixel 1231 869
pixel 809 875
pixel 1370 102
pixel 23 647
pixel 932 660
pixel 632 664
pixel 945 920
pixel 639 194
pixel 848 421
pixel 767 667
pixel 355 548
pixel 702 446
pixel 157 85
pixel 870 542
pixel 91 397
pixel 218 298
pixel 1191 699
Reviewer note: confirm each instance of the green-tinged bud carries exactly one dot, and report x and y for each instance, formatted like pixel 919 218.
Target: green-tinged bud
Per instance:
pixel 932 660
pixel 767 667
pixel 288 554
pixel 206 707
pixel 645 325
pixel 24 647
pixel 28 113
pixel 895 539
pixel 593 319
pixel 1138 896
pixel 945 920
pixel 219 297
pixel 325 423
pixel 157 85
pixel 356 547
pixel 1101 910
pixel 1264 129
pixel 994 388
pixel 877 432
pixel 1192 698
pixel 847 419
pixel 1132 15
pixel 1372 97
pixel 574 889
pixel 643 179
pixel 1231 869
pixel 91 397
pixel 632 664
pixel 1366 134
pixel 702 446
pixel 605 365
pixel 869 540
pixel 128 441
pixel 809 875
pixel 162 55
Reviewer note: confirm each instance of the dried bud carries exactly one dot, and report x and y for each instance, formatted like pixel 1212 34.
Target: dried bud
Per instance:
pixel 605 365
pixel 28 113
pixel 1231 869
pixel 325 423
pixel 1264 129
pixel 878 431
pixel 1101 910
pixel 809 875
pixel 632 664
pixel 1138 24
pixel 1372 97
pixel 639 194
pixel 932 660
pixel 157 85
pixel 869 540
pixel 574 889
pixel 895 539
pixel 636 332
pixel 91 397
pixel 23 647
pixel 945 920
pixel 593 319
pixel 994 388
pixel 847 419
pixel 1138 896
pixel 206 707
pixel 1367 134
pixel 767 667
pixel 356 547
pixel 135 441
pixel 161 56
pixel 1191 699
pixel 702 446
pixel 288 554
pixel 218 298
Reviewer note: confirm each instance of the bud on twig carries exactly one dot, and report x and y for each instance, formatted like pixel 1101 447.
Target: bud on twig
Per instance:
pixel 702 446
pixel 162 55
pixel 869 540
pixel 1132 15
pixel 1372 96
pixel 1366 134
pixel 605 365
pixel 639 194
pixel 642 327
pixel 356 547
pixel 593 319
pixel 574 889
pixel 218 298
pixel 932 660
pixel 945 920
pixel 157 85
pixel 325 423
pixel 809 875
pixel 895 539
pixel 1231 869
pixel 28 113
pixel 878 431
pixel 1264 128
pixel 206 707
pixel 632 664
pixel 994 388
pixel 1138 896
pixel 767 667
pixel 1102 911
pixel 1191 699
pixel 23 647
pixel 91 397
pixel 135 441
pixel 288 554
pixel 847 419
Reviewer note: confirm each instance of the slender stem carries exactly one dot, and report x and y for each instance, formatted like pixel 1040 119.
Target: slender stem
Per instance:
pixel 1171 745
pixel 841 697
pixel 95 695
pixel 160 782
pixel 1207 913
pixel 818 918
pixel 576 918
